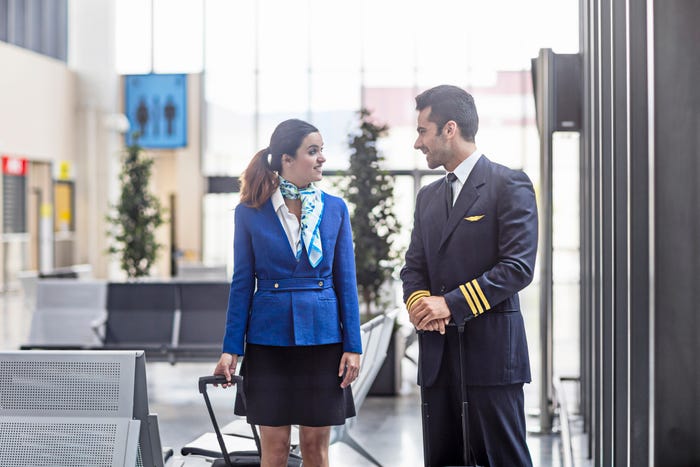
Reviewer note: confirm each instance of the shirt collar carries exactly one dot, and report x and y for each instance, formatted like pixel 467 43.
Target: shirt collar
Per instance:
pixel 463 170
pixel 277 199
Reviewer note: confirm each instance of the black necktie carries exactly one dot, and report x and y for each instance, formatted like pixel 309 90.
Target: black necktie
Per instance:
pixel 451 177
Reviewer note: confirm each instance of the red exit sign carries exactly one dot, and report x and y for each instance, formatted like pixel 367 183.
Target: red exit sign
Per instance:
pixel 14 166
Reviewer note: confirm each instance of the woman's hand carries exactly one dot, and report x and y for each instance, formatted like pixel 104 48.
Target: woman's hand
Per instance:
pixel 227 367
pixel 350 365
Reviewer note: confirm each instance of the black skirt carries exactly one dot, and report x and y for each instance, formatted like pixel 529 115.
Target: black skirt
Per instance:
pixel 294 386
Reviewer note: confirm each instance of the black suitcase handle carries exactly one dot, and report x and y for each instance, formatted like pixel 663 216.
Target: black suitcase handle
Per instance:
pixel 218 379
pixel 237 380
pixel 467 453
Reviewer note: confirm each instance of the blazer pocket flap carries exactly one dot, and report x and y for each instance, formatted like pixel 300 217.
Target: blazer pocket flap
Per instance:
pixel 474 218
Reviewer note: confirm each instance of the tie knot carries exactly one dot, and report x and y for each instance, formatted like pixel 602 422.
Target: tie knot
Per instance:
pixel 451 177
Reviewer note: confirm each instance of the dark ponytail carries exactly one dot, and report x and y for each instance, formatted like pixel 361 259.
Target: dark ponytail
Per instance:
pixel 259 180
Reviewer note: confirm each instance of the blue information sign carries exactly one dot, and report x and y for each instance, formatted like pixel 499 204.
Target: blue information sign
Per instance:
pixel 156 106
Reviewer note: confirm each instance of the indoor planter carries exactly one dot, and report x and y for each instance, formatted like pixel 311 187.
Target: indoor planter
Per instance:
pixel 369 191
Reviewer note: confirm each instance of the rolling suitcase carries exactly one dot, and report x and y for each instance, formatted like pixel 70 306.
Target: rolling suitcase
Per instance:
pixel 237 458
pixel 467 454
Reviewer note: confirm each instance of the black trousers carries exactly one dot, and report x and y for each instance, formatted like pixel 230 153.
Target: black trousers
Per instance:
pixel 496 418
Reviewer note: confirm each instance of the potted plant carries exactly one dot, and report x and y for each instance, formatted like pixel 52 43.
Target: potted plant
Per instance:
pixel 136 216
pixel 369 191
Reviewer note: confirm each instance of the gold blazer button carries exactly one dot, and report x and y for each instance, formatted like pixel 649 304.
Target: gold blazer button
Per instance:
pixel 277 285
pixel 320 283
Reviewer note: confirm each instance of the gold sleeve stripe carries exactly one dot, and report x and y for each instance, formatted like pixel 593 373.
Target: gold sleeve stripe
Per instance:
pixel 413 300
pixel 415 296
pixel 476 300
pixel 481 295
pixel 469 299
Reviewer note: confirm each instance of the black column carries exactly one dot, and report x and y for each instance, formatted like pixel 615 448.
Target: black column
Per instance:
pixel 641 231
pixel 677 232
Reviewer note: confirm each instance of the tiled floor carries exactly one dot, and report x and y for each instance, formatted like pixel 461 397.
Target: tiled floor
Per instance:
pixel 388 427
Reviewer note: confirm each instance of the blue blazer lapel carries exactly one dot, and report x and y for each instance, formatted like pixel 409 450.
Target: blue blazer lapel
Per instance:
pixel 467 197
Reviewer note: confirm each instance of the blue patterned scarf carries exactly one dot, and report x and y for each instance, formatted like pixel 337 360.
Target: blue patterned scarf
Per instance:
pixel 311 211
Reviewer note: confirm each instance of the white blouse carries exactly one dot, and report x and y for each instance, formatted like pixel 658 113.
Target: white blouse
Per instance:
pixel 289 221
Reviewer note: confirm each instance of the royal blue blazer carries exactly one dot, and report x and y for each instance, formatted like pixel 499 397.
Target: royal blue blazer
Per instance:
pixel 278 300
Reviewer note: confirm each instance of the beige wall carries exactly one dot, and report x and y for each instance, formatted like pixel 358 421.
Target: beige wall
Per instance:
pixel 37 110
pixel 37 122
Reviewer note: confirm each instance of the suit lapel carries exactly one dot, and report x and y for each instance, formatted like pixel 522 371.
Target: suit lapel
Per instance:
pixel 436 209
pixel 467 197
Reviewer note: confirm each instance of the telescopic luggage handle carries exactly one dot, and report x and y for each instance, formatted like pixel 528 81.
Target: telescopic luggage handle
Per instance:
pixel 463 392
pixel 237 380
pixel 218 379
pixel 221 379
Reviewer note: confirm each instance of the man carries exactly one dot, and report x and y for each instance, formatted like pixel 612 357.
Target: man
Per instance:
pixel 468 258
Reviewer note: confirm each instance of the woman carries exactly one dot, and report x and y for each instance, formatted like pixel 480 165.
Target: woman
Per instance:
pixel 293 301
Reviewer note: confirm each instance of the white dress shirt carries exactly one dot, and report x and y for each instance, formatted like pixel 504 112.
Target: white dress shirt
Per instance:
pixel 462 172
pixel 289 221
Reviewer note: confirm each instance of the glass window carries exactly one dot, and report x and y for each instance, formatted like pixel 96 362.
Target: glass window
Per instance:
pixel 230 133
pixel 283 37
pixel 218 227
pixel 177 36
pixel 333 36
pixel 133 36
pixel 159 36
pixel 230 86
pixel 388 43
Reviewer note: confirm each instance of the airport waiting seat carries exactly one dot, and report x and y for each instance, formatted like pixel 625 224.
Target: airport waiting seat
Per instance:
pixel 140 316
pixel 65 311
pixel 201 320
pixel 76 408
pixel 170 321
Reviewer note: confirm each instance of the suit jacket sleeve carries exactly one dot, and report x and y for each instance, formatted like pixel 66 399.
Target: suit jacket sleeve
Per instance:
pixel 345 284
pixel 517 248
pixel 242 285
pixel 414 274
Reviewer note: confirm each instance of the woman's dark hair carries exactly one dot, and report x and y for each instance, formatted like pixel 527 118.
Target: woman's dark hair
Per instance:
pixel 450 103
pixel 259 180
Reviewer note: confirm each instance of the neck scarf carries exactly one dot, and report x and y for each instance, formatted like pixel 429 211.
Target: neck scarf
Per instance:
pixel 311 211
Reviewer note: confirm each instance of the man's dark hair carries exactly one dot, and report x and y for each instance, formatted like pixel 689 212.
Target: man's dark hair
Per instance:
pixel 450 103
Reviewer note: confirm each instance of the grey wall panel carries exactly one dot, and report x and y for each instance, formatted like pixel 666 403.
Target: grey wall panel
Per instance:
pixel 677 226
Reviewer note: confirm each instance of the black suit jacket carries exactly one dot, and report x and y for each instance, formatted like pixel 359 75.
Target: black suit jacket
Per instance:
pixel 478 258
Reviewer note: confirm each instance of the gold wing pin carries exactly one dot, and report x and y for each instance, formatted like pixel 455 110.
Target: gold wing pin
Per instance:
pixel 474 218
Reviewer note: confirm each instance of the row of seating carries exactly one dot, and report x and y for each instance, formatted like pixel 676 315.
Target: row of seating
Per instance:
pixel 77 408
pixel 83 407
pixel 171 321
